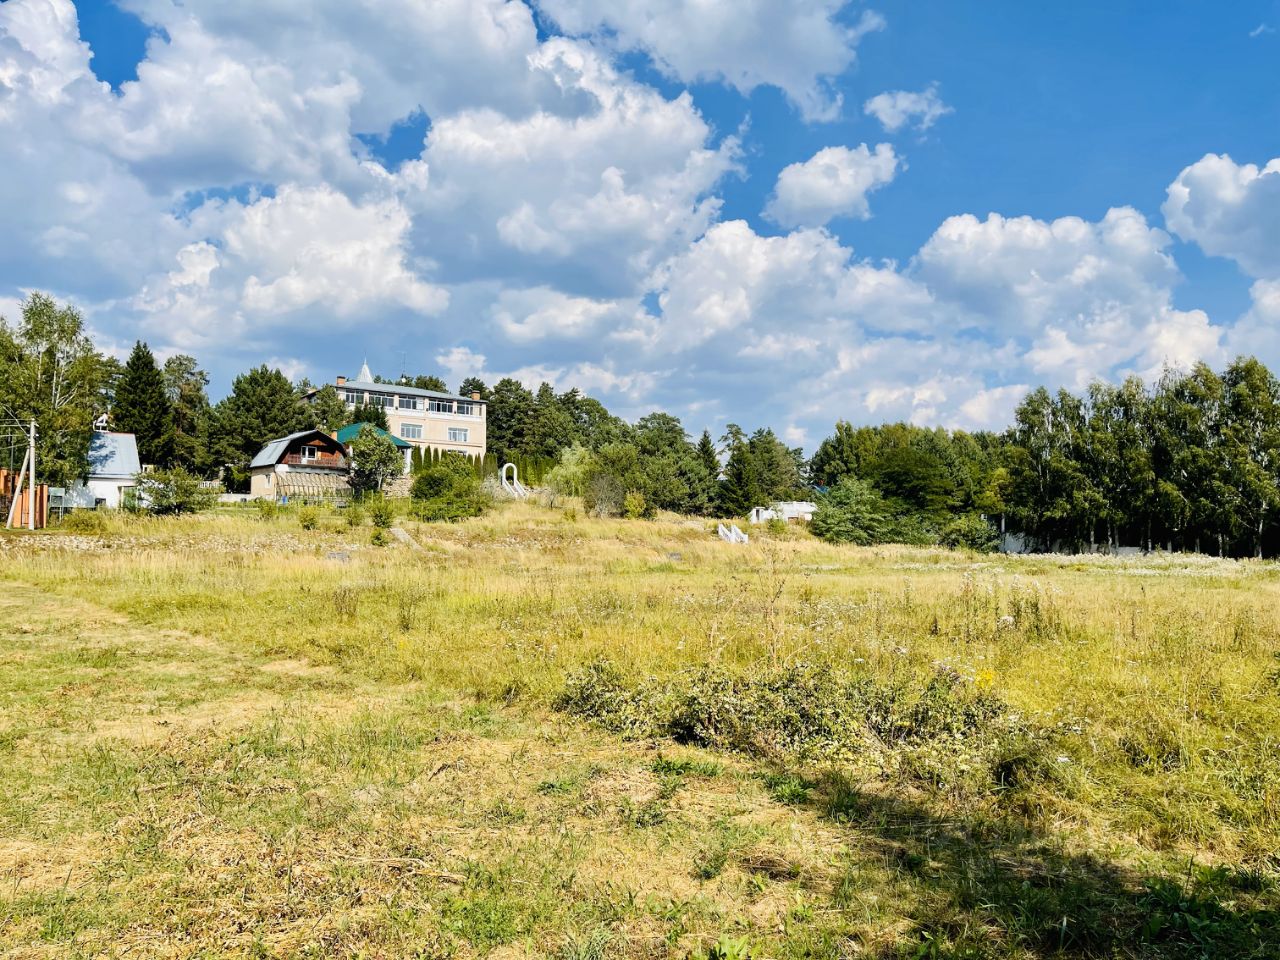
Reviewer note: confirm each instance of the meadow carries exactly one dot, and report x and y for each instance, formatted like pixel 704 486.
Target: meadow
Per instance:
pixel 537 734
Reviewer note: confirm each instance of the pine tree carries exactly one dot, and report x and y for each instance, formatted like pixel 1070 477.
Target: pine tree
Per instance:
pixel 142 407
pixel 185 385
pixel 262 406
pixel 328 411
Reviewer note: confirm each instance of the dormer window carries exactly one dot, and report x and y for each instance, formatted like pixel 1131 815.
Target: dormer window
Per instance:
pixel 310 453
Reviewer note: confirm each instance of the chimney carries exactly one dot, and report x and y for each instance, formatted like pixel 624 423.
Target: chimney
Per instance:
pixel 475 396
pixel 340 380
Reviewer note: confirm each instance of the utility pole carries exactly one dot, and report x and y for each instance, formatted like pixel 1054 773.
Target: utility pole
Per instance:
pixel 31 479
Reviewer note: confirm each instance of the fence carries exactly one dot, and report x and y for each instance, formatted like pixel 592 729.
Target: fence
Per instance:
pixel 8 485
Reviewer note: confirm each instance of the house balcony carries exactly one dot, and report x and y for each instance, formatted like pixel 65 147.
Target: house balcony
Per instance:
pixel 315 463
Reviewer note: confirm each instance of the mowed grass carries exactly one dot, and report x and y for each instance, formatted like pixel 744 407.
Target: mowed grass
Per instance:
pixel 224 736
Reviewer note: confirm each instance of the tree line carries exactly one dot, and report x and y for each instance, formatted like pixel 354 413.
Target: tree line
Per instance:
pixel 1191 462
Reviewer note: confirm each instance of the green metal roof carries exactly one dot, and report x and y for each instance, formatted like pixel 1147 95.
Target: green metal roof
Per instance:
pixel 348 433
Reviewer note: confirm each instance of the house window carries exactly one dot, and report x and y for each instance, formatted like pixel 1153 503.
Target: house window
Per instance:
pixel 310 453
pixel 459 435
pixel 351 397
pixel 411 431
pixel 440 406
pixel 382 400
pixel 409 403
pixel 466 409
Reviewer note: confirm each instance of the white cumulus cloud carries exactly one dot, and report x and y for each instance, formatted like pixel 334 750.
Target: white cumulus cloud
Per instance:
pixel 896 109
pixel 1229 210
pixel 799 46
pixel 834 182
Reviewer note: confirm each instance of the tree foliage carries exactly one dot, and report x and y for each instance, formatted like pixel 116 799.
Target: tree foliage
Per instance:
pixel 262 406
pixel 175 491
pixel 375 459
pixel 51 373
pixel 142 407
pixel 186 386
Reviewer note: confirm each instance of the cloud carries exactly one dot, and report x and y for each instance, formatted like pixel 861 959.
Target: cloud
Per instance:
pixel 896 109
pixel 1229 210
pixel 541 313
pixel 590 201
pixel 833 183
pixel 798 47
pixel 272 261
pixel 1260 30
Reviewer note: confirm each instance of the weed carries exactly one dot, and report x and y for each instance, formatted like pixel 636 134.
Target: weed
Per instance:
pixel 788 788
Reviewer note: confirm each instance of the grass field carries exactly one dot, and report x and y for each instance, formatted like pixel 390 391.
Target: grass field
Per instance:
pixel 533 735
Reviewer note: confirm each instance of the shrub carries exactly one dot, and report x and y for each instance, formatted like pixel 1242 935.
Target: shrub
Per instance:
pixel 448 491
pixel 355 515
pixel 634 506
pixel 603 496
pixel 84 521
pixel 776 527
pixel 267 509
pixel 308 518
pixel 971 532
pixel 379 537
pixel 852 512
pixel 175 491
pixel 381 512
pixel 942 732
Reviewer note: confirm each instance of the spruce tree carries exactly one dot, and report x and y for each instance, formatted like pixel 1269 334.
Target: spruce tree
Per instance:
pixel 708 454
pixel 142 407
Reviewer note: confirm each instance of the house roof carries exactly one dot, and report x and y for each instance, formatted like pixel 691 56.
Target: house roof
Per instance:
pixel 113 456
pixel 349 432
pixel 270 454
pixel 361 384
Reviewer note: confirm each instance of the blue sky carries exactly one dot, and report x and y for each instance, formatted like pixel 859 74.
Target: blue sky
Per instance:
pixel 670 205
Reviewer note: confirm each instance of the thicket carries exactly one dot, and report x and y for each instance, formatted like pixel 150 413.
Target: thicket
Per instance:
pixel 449 490
pixel 940 731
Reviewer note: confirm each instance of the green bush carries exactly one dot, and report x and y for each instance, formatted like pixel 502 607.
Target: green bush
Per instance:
pixel 379 537
pixel 84 521
pixel 448 491
pixel 852 512
pixel 971 532
pixel 381 512
pixel 308 518
pixel 175 491
pixel 355 515
pixel 634 506
pixel 267 509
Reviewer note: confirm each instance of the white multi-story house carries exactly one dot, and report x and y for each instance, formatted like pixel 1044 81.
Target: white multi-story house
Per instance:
pixel 425 418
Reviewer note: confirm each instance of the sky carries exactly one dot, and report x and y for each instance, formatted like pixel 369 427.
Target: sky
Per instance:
pixel 768 212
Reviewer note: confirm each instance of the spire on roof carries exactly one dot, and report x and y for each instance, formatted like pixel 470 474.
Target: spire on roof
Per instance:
pixel 365 376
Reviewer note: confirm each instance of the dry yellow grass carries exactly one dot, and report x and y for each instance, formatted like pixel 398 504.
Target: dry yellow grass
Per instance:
pixel 228 736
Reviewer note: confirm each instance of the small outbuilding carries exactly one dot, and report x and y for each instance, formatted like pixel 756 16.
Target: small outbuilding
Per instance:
pixel 789 510
pixel 113 472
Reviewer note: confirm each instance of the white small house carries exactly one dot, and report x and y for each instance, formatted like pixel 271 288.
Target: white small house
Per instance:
pixel 789 510
pixel 113 469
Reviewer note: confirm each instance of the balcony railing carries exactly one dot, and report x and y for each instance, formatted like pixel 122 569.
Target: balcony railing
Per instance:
pixel 315 463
